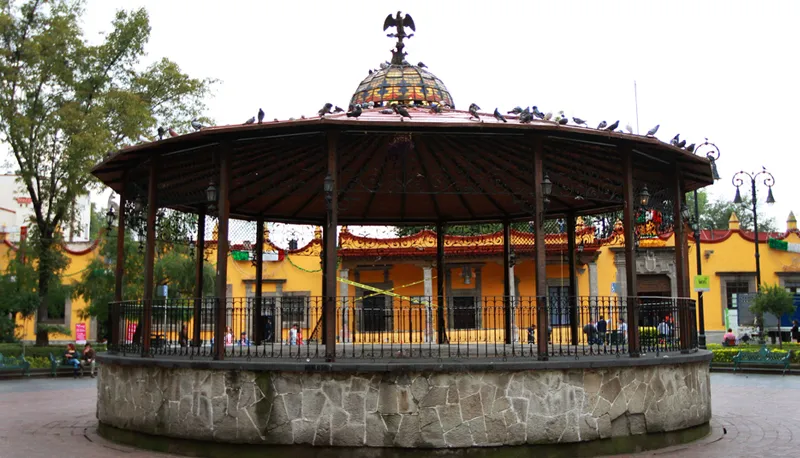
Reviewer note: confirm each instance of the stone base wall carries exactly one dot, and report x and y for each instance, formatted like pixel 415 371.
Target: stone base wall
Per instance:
pixel 459 409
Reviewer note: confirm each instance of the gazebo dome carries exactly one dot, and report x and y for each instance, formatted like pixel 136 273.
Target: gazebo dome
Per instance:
pixel 401 83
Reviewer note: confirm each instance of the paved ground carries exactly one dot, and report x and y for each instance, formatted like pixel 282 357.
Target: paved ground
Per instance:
pixel 56 418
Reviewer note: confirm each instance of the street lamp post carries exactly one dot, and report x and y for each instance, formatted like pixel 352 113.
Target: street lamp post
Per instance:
pixel 713 154
pixel 769 182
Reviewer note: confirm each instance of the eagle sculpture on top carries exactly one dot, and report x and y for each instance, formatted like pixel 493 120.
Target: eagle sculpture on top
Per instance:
pixel 400 22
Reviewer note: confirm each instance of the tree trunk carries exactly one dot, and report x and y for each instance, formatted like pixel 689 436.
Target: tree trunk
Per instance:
pixel 43 336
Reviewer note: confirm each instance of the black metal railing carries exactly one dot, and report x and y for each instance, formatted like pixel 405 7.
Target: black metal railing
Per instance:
pixel 373 327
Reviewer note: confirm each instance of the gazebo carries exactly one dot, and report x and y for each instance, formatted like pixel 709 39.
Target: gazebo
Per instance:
pixel 433 165
pixel 403 155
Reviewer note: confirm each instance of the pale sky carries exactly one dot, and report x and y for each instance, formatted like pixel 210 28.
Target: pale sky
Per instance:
pixel 726 70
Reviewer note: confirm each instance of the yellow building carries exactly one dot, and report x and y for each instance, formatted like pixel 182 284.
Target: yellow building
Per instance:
pixel 376 274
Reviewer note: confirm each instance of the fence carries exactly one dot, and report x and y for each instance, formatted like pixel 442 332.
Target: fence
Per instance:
pixel 377 326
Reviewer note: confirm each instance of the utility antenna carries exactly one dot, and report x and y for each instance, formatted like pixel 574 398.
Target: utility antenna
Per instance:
pixel 636 102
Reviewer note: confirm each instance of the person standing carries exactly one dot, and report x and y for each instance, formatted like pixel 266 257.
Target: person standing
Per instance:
pixel 293 335
pixel 88 358
pixel 795 331
pixel 602 327
pixel 623 331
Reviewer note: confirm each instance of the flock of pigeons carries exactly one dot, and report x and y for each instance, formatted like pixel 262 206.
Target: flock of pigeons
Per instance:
pixel 524 115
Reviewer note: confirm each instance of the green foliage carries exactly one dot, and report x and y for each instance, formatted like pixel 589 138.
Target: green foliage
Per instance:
pixel 725 354
pixel 52 329
pixel 715 214
pixel 774 300
pixel 175 267
pixel 463 230
pixel 38 362
pixel 15 349
pixel 65 102
pixel 648 335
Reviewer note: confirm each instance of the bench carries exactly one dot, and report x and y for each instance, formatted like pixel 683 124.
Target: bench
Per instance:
pixel 762 357
pixel 9 363
pixel 56 364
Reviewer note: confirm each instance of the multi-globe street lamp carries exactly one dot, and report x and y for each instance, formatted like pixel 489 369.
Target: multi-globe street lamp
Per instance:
pixel 769 181
pixel 712 154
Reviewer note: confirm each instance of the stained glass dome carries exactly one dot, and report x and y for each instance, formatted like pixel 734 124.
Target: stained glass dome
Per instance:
pixel 404 84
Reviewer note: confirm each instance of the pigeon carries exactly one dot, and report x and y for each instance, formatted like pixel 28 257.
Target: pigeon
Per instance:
pixel 473 111
pixel 436 108
pixel 355 112
pixel 675 140
pixel 498 116
pixel 401 110
pixel 161 133
pixel 613 126
pixel 563 121
pixel 525 117
pixel 548 116
pixel 196 124
pixel 384 65
pixel 578 121
pixel 326 109
pixel 371 105
pixel 690 148
pixel 252 120
pixel 537 113
pixel 421 65
pixel 338 109
pixel 386 111
pixel 682 143
pixel 172 132
pixel 144 139
pixel 629 128
pixel 260 115
pixel 516 110
pixel 653 131
pixel 602 125
pixel 370 71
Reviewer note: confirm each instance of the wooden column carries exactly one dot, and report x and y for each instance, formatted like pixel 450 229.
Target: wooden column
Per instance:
pixel 200 247
pixel 223 208
pixel 681 267
pixel 540 259
pixel 258 318
pixel 119 269
pixel 628 223
pixel 329 310
pixel 507 281
pixel 441 332
pixel 150 255
pixel 323 267
pixel 573 280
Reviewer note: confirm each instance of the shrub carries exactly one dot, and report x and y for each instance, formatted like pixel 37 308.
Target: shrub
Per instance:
pixel 15 349
pixel 726 354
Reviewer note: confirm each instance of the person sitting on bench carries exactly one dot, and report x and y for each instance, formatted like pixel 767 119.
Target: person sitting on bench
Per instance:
pixel 729 339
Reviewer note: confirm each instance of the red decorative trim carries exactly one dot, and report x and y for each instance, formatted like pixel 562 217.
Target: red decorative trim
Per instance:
pixel 23 200
pixel 95 243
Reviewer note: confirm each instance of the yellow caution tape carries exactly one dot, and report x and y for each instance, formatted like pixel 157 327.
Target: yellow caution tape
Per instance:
pixel 382 291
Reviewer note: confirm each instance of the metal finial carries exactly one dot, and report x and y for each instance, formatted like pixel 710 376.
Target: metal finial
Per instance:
pixel 400 23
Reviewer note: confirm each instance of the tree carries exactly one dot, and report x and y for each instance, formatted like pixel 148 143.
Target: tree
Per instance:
pixel 64 103
pixel 774 300
pixel 716 214
pixel 174 266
